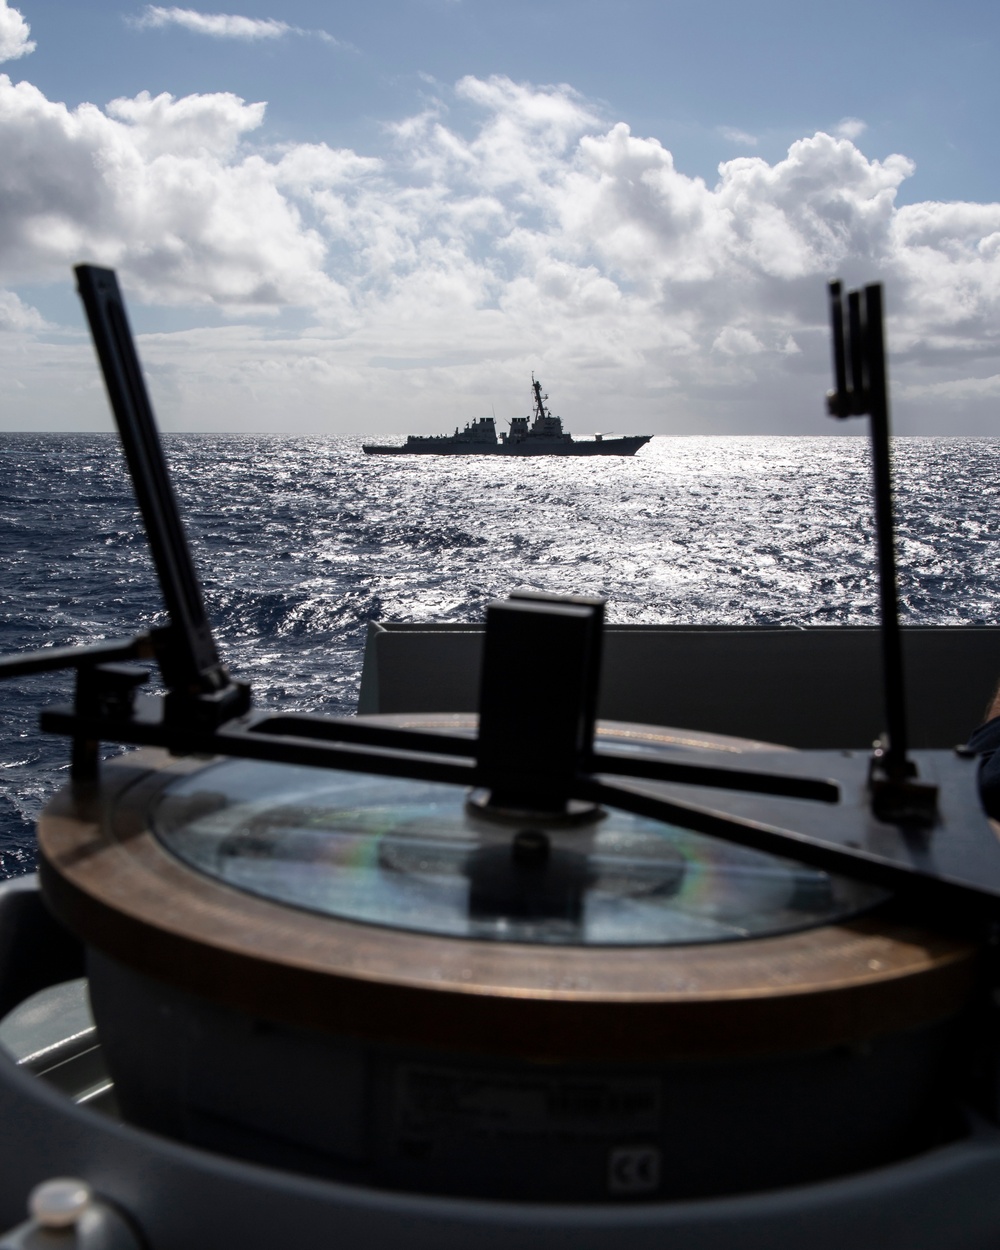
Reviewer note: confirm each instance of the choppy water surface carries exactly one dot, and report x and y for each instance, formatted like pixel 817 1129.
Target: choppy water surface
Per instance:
pixel 301 542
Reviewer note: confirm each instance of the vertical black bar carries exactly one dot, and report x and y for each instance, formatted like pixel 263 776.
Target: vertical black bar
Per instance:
pixel 591 678
pixel 858 380
pixel 840 400
pixel 892 642
pixel 193 664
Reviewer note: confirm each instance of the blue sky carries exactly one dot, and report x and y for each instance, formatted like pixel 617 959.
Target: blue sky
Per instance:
pixel 400 209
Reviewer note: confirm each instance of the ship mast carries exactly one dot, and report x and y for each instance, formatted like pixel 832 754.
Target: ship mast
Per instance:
pixel 540 411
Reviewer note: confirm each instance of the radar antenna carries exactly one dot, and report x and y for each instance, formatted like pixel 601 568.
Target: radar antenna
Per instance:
pixel 540 410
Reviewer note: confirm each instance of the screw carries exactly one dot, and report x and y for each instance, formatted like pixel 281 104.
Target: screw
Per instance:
pixel 59 1203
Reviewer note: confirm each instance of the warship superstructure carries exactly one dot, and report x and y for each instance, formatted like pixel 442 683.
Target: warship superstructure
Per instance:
pixel 541 434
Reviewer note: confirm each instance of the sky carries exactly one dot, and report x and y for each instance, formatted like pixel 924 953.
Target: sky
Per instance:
pixel 382 218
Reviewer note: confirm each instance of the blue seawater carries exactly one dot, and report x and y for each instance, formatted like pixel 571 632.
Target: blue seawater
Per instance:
pixel 301 541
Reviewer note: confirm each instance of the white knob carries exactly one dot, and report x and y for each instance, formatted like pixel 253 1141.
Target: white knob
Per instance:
pixel 60 1202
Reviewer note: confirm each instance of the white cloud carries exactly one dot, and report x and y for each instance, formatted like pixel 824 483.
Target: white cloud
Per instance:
pixel 222 25
pixel 851 128
pixel 737 341
pixel 506 227
pixel 18 316
pixel 218 25
pixel 955 389
pixel 160 187
pixel 14 32
pixel 738 136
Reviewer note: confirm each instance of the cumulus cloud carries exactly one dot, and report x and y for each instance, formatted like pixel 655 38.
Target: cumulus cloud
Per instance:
pixel 160 187
pixel 14 32
pixel 505 227
pixel 221 25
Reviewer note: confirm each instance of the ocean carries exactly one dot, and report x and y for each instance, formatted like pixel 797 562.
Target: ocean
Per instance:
pixel 300 542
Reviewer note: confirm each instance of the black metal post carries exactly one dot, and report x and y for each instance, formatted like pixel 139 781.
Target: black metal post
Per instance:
pixel 861 387
pixel 192 653
pixel 198 687
pixel 895 758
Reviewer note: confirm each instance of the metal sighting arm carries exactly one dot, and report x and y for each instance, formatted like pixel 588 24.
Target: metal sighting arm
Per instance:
pixel 199 687
pixel 861 389
pixel 535 753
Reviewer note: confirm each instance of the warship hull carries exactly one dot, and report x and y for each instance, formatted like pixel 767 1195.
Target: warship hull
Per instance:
pixel 449 447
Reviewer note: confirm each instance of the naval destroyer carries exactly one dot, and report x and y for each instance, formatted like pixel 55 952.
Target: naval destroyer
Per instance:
pixel 542 435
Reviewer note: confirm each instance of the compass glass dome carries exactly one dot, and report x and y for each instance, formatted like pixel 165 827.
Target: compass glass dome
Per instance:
pixel 416 856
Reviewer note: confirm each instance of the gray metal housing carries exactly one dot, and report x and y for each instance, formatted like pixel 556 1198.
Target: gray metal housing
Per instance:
pixel 815 688
pixel 182 1198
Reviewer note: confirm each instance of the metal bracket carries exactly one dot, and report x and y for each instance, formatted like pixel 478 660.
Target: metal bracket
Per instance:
pixel 185 650
pixel 538 699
